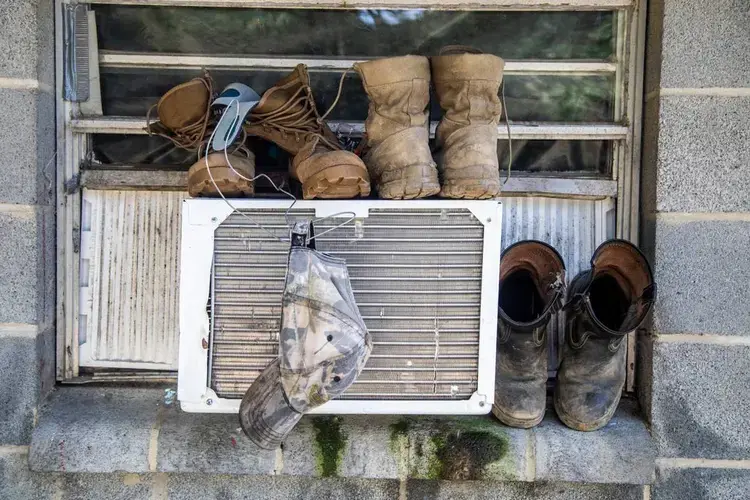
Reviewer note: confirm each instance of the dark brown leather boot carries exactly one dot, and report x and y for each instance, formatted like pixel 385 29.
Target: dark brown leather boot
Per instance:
pixel 532 284
pixel 604 304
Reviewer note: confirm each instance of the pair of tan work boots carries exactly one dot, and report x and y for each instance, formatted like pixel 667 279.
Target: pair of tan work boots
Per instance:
pixel 399 158
pixel 286 115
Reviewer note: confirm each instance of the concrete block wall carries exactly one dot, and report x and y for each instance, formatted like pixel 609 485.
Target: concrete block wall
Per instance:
pixel 695 365
pixel 27 219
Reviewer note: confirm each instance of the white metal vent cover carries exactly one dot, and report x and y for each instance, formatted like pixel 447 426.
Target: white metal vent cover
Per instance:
pixel 424 274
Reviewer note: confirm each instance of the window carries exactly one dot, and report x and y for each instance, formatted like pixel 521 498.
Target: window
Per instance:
pixel 572 79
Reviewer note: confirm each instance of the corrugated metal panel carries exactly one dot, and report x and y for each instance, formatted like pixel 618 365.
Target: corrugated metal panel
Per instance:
pixel 418 292
pixel 129 272
pixel 573 227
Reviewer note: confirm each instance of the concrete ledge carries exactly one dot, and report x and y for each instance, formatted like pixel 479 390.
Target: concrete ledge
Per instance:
pixel 95 429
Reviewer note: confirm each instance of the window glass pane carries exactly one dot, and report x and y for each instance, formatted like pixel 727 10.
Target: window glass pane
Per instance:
pixel 590 158
pixel 130 92
pixel 354 33
pixel 587 158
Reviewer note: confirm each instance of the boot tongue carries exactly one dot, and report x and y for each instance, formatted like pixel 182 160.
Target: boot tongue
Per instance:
pixel 285 89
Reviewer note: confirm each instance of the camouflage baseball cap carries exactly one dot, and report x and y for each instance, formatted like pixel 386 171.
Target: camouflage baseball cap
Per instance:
pixel 323 345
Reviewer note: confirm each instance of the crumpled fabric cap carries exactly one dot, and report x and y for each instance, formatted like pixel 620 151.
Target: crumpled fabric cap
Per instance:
pixel 324 344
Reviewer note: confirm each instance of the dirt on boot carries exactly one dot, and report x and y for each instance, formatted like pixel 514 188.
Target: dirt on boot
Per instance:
pixel 604 304
pixel 467 85
pixel 532 283
pixel 286 115
pixel 397 127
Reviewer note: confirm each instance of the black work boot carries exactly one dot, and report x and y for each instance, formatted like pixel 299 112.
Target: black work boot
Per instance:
pixel 532 283
pixel 604 304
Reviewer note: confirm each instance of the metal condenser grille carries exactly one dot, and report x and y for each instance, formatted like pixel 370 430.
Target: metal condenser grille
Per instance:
pixel 416 276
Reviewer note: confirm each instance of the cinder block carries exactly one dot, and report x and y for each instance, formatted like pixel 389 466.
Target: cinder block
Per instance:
pixel 115 486
pixel 701 400
pixel 706 43
pixel 17 482
pixel 190 442
pixel 20 390
pixel 622 452
pixel 27 41
pixel 703 160
pixel 192 486
pixel 702 271
pixel 479 490
pixel 26 265
pixel 682 484
pixel 83 429
pixel 27 146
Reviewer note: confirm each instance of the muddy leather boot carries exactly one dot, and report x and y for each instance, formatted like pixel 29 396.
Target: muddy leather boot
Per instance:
pixel 604 304
pixel 532 284
pixel 286 115
pixel 467 85
pixel 185 118
pixel 397 126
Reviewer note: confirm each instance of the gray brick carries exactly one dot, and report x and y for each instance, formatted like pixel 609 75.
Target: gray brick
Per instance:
pixel 190 442
pixel 18 483
pixel 27 146
pixel 27 287
pixel 27 40
pixel 104 486
pixel 192 486
pixel 706 43
pixel 622 452
pixel 481 490
pixel 701 400
pixel 703 160
pixel 701 484
pixel 702 271
pixel 19 394
pixel 83 429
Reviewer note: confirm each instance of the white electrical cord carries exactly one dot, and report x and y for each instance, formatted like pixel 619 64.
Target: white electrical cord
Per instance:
pixel 286 213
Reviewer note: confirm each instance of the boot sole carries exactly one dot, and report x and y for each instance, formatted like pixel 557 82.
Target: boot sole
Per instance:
pixel 337 181
pixel 585 426
pixel 230 185
pixel 469 189
pixel 515 422
pixel 408 183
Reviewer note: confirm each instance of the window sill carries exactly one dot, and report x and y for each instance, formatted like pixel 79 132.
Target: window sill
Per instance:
pixel 102 429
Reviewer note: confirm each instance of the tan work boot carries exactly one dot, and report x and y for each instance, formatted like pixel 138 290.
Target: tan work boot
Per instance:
pixel 232 181
pixel 286 115
pixel 467 85
pixel 185 118
pixel 397 126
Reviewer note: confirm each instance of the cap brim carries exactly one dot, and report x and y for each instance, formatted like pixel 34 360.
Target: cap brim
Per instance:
pixel 265 415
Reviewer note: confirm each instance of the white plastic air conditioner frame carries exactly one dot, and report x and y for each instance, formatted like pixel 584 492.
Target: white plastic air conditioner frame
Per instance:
pixel 201 217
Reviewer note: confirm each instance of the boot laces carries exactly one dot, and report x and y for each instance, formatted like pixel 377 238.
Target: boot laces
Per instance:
pixel 190 136
pixel 299 116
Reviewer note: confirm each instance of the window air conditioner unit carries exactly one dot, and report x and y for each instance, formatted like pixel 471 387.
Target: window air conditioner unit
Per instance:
pixel 424 274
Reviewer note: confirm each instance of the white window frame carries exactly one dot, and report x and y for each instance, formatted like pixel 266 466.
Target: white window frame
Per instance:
pixel 624 131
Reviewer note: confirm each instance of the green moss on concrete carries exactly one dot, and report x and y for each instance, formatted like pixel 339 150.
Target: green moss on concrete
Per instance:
pixel 399 436
pixel 330 443
pixel 466 449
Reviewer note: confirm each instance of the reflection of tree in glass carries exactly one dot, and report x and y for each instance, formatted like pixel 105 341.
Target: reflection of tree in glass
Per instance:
pixel 352 33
